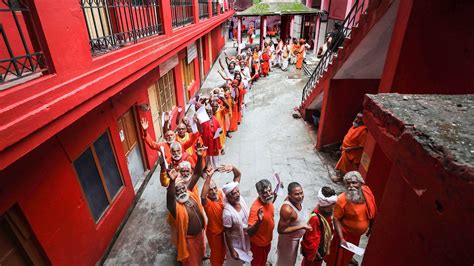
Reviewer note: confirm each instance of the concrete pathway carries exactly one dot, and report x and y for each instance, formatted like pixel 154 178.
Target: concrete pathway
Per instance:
pixel 268 141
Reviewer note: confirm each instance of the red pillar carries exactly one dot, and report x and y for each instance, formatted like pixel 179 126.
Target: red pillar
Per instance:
pixel 209 8
pixel 166 12
pixel 196 11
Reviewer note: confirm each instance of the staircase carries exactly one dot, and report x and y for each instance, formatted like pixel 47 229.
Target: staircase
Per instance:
pixel 363 15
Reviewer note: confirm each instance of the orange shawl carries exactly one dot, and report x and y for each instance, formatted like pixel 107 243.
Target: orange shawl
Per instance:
pixel 181 225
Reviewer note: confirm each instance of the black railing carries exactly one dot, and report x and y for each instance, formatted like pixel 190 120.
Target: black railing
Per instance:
pixel 181 13
pixel 20 54
pixel 214 7
pixel 114 23
pixel 203 9
pixel 351 20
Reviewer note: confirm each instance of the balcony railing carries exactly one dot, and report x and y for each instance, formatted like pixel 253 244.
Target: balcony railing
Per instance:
pixel 181 13
pixel 214 8
pixel 351 20
pixel 114 23
pixel 203 9
pixel 20 53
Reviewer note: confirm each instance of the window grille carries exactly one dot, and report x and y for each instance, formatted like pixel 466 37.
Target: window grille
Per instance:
pixel 181 13
pixel 114 23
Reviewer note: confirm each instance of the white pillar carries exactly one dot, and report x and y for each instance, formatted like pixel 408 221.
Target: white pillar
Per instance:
pixel 291 26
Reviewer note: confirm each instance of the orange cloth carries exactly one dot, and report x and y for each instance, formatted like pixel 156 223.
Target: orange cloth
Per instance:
pixel 263 236
pixel 197 249
pixel 215 229
pixel 181 225
pixel 350 159
pixel 183 140
pixel 265 64
pixel 355 217
pixel 259 254
pixel 220 116
pixel 355 222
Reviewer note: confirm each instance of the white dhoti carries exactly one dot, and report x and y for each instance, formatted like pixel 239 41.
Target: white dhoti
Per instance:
pixel 284 63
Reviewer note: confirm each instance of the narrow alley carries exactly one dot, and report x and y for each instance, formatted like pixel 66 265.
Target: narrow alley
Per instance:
pixel 268 141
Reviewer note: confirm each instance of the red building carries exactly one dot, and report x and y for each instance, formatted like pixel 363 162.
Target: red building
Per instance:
pixel 76 77
pixel 421 181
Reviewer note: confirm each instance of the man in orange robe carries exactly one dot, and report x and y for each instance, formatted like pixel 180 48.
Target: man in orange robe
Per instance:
pixel 220 114
pixel 352 148
pixel 261 223
pixel 212 200
pixel 186 218
pixel 353 216
pixel 300 54
pixel 172 156
pixel 234 122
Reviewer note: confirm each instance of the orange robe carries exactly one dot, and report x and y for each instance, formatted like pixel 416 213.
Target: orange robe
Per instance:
pixel 355 222
pixel 261 241
pixel 265 64
pixel 220 116
pixel 350 160
pixel 190 249
pixel 234 121
pixel 299 57
pixel 215 229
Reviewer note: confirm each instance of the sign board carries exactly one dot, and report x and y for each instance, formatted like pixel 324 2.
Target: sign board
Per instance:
pixel 191 51
pixel 168 65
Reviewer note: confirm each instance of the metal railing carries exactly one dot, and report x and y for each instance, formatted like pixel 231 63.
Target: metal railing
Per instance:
pixel 181 13
pixel 351 20
pixel 203 9
pixel 214 7
pixel 20 55
pixel 114 23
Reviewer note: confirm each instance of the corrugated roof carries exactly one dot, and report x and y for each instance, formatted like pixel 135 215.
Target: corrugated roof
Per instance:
pixel 272 9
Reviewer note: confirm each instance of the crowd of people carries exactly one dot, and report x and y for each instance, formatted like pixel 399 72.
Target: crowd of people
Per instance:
pixel 238 233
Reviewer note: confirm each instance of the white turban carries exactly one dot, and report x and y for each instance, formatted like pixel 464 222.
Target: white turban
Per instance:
pixel 326 201
pixel 227 188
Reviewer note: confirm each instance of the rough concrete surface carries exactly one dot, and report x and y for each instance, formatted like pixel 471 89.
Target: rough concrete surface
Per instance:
pixel 442 122
pixel 268 141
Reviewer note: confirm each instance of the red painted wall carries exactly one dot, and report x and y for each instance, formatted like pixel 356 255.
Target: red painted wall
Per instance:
pixel 34 111
pixel 337 9
pixel 431 49
pixel 425 214
pixel 342 101
pixel 46 188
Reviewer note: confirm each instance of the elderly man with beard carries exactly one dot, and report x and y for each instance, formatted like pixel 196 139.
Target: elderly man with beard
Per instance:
pixel 235 220
pixel 292 225
pixel 261 222
pixel 212 199
pixel 352 148
pixel 315 244
pixel 353 216
pixel 170 137
pixel 186 216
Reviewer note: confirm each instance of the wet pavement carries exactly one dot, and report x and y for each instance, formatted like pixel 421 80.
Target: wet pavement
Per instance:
pixel 268 141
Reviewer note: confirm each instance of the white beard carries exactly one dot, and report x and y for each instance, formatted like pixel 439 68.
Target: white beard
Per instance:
pixel 176 158
pixel 355 195
pixel 266 201
pixel 183 198
pixel 186 179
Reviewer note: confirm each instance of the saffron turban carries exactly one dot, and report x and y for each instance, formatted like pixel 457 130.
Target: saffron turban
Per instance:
pixel 326 201
pixel 227 188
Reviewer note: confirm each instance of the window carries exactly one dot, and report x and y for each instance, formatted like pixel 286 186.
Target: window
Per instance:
pixel 99 175
pixel 187 71
pixel 162 98
pixel 21 56
pixel 181 13
pixel 113 23
pixel 167 92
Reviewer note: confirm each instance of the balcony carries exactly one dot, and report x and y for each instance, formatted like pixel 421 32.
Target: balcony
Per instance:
pixel 214 7
pixel 21 57
pixel 113 23
pixel 203 9
pixel 181 13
